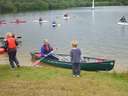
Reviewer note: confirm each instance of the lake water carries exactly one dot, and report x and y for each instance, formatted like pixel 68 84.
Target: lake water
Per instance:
pixel 97 31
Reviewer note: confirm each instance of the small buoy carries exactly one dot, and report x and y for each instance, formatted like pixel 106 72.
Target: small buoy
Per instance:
pixel 2 50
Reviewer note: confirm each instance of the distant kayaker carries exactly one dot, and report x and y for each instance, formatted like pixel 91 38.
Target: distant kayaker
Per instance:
pixel 54 24
pixel 1 21
pixel 123 19
pixel 12 49
pixel 17 21
pixel 46 49
pixel 75 54
pixel 40 19
pixel 66 15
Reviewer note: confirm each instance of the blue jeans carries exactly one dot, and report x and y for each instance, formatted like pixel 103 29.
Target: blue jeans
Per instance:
pixel 76 68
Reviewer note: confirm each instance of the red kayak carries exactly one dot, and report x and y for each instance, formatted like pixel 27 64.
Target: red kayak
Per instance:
pixel 18 21
pixel 2 50
pixel 2 22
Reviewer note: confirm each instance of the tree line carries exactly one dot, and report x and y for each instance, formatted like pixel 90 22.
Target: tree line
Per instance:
pixel 7 6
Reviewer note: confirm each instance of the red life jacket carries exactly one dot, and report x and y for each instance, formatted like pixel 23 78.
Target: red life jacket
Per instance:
pixel 11 42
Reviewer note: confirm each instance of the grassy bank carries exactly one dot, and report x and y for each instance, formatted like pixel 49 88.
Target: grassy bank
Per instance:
pixel 32 5
pixel 52 81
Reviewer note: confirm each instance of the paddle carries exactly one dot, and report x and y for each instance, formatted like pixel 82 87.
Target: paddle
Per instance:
pixel 16 37
pixel 38 61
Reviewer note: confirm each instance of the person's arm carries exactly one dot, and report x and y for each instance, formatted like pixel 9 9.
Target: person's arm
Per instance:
pixel 80 52
pixel 50 48
pixel 42 51
pixel 80 55
pixel 71 55
pixel 16 42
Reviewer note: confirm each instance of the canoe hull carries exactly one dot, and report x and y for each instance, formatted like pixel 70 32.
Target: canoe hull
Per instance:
pixel 106 65
pixel 103 66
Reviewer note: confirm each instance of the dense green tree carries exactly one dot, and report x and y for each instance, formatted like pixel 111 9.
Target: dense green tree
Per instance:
pixel 30 5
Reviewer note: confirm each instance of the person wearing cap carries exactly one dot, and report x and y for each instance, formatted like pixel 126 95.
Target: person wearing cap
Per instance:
pixel 12 49
pixel 75 54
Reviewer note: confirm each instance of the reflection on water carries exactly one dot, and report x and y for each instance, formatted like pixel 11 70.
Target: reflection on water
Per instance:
pixel 97 31
pixel 123 29
pixel 93 16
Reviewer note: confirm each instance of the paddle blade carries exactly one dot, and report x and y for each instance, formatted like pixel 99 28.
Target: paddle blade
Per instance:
pixel 36 62
pixel 19 37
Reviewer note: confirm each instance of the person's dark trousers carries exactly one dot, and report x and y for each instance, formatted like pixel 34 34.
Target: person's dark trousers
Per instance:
pixel 12 57
pixel 76 68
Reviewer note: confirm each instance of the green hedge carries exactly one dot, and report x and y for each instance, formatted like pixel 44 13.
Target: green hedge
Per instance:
pixel 30 5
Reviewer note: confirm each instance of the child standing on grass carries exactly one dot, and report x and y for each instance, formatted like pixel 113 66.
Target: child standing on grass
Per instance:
pixel 75 54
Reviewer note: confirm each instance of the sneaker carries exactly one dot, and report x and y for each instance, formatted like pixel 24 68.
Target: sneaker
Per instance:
pixel 77 75
pixel 18 65
pixel 73 76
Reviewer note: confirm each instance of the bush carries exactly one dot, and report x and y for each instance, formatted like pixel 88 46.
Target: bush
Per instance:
pixel 6 7
pixel 39 5
pixel 30 5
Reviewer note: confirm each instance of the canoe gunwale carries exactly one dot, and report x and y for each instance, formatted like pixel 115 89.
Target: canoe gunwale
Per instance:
pixel 86 57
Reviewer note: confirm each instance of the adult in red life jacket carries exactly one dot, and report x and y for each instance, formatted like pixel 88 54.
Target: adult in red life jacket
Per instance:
pixel 12 50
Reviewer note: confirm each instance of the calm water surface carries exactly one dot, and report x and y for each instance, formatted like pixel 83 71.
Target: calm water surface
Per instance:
pixel 97 31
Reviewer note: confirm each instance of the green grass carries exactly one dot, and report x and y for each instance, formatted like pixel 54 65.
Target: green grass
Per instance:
pixel 28 73
pixel 52 81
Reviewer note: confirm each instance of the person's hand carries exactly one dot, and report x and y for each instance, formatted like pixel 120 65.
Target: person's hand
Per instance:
pixel 55 49
pixel 5 39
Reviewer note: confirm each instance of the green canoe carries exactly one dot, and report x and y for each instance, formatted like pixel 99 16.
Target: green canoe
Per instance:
pixel 87 63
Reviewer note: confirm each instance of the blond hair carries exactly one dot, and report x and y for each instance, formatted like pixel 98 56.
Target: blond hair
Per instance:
pixel 45 40
pixel 74 43
pixel 9 34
